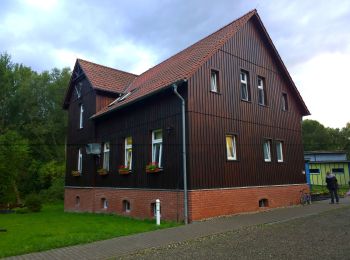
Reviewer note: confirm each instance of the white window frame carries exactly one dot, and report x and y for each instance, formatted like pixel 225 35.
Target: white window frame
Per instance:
pixel 126 157
pixel 279 151
pixel 261 91
pixel 104 203
pixel 234 148
pixel 106 153
pixel 244 83
pixel 267 150
pixel 80 161
pixel 214 80
pixel 81 114
pixel 156 142
pixel 126 206
pixel 284 102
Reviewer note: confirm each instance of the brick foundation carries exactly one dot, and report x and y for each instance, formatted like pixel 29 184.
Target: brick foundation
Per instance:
pixel 140 202
pixel 211 203
pixel 202 204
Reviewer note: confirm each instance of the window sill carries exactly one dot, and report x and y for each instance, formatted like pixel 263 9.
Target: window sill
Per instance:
pixel 263 106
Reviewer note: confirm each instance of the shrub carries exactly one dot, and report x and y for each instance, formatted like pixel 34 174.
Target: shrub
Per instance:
pixel 21 210
pixel 33 203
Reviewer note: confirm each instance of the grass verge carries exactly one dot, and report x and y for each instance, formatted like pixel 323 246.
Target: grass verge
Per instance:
pixel 53 228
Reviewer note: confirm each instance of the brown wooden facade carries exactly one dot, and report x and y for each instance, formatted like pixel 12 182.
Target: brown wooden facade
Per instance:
pixel 210 117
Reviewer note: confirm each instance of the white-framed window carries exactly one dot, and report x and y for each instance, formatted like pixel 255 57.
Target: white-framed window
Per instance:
pixel 244 85
pixel 106 150
pixel 104 203
pixel 80 160
pixel 81 114
pixel 284 102
pixel 267 150
pixel 157 146
pixel 214 81
pixel 231 147
pixel 126 206
pixel 128 152
pixel 279 149
pixel 261 91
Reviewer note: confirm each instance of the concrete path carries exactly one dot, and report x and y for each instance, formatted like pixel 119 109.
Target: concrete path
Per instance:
pixel 125 245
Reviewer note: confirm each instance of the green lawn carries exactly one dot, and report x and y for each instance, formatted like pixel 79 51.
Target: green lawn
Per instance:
pixel 52 228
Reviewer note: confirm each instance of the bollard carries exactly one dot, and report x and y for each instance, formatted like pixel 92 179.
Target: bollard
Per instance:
pixel 158 211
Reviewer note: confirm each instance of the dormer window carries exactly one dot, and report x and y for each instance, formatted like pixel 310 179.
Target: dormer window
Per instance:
pixel 214 81
pixel 81 114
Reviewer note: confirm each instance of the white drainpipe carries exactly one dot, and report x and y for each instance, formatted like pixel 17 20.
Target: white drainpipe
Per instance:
pixel 183 152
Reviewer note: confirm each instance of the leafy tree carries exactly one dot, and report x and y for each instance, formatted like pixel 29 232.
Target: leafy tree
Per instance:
pixel 14 154
pixel 315 136
pixel 31 107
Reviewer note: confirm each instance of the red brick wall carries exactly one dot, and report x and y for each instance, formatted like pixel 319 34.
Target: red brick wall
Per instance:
pixel 211 203
pixel 140 201
pixel 202 203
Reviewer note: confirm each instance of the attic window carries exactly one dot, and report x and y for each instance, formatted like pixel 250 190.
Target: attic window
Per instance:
pixel 78 89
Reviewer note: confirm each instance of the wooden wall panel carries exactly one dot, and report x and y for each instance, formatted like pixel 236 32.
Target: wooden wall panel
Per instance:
pixel 213 115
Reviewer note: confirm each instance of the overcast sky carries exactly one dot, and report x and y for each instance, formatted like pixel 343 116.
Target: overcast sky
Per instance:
pixel 312 37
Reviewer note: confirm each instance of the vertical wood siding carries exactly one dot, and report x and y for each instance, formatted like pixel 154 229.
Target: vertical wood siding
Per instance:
pixel 213 115
pixel 162 111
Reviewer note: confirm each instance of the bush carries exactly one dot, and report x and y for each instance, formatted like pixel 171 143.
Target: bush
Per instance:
pixel 21 210
pixel 33 203
pixel 55 193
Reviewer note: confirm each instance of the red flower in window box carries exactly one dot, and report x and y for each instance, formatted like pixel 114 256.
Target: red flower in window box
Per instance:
pixel 123 169
pixel 152 167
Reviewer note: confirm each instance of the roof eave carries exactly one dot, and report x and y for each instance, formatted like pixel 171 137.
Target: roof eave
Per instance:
pixel 137 100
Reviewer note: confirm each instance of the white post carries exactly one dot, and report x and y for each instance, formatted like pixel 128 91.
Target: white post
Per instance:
pixel 158 211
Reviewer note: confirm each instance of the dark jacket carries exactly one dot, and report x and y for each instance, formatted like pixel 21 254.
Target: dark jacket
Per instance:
pixel 332 182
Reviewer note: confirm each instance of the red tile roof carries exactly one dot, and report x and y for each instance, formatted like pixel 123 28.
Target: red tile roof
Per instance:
pixel 184 64
pixel 105 78
pixel 180 66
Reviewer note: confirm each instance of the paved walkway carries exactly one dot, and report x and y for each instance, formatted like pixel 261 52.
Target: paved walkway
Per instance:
pixel 124 245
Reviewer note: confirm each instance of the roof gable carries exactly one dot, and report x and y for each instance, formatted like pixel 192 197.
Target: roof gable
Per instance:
pixel 100 77
pixel 184 64
pixel 181 66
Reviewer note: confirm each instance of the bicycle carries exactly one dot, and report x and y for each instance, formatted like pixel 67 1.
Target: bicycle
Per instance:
pixel 305 198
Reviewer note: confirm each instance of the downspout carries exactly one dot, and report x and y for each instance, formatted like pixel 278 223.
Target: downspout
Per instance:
pixel 183 152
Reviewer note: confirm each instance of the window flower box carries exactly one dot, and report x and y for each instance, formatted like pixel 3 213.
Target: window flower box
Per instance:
pixel 153 168
pixel 123 169
pixel 102 172
pixel 76 173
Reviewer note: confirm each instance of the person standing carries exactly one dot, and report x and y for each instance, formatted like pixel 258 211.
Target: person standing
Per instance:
pixel 332 186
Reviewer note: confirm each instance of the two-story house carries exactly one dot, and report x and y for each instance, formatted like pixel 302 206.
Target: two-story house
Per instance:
pixel 213 130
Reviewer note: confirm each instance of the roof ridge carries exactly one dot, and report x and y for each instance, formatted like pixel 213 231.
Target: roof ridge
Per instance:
pixel 107 67
pixel 224 39
pixel 250 13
